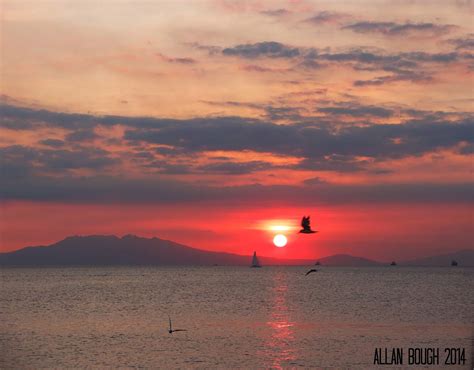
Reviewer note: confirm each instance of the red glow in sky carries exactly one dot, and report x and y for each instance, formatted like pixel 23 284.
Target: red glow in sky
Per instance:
pixel 220 125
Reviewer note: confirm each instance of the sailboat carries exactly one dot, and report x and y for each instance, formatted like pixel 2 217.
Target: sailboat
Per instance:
pixel 255 262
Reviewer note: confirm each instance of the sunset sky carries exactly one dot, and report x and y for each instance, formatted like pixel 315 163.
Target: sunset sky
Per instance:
pixel 210 123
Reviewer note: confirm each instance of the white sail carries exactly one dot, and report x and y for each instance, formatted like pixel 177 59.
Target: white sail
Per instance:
pixel 255 262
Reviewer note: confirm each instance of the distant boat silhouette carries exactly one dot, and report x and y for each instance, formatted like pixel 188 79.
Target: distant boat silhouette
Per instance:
pixel 255 262
pixel 306 227
pixel 393 263
pixel 310 271
pixel 317 263
pixel 171 330
pixel 454 263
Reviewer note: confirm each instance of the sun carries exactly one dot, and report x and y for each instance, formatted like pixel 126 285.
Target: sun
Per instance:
pixel 280 240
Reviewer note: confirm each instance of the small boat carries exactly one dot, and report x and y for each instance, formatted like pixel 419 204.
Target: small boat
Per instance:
pixel 255 262
pixel 454 263
pixel 317 263
pixel 393 263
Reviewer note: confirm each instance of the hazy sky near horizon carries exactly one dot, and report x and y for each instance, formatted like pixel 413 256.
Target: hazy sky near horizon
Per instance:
pixel 209 122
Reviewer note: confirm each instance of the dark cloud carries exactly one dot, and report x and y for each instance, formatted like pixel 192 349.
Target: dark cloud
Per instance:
pixel 167 146
pixel 309 63
pixel 282 113
pixel 183 60
pixel 87 158
pixel 16 162
pixel 268 49
pixel 81 135
pixel 324 143
pixel 404 66
pixel 391 61
pixel 359 111
pixel 235 168
pixel 357 55
pixel 294 113
pixel 364 56
pixel 335 162
pixel 399 29
pixel 167 150
pixel 380 171
pixel 38 117
pixel 311 140
pixel 467 149
pixel 224 133
pixel 325 17
pixel 419 56
pixel 270 112
pixel 465 43
pixel 55 143
pixel 314 181
pixel 167 168
pixel 218 166
pixel 101 189
pixel 230 103
pixel 22 159
pixel 400 75
pixel 144 155
pixel 210 49
pixel 156 190
pixel 14 124
pixel 260 69
pixel 176 60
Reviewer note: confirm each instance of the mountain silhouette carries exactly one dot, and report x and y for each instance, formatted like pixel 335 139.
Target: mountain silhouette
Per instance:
pixel 129 250
pixel 463 257
pixel 100 250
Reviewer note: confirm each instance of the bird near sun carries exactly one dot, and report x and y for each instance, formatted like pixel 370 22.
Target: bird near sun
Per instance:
pixel 306 226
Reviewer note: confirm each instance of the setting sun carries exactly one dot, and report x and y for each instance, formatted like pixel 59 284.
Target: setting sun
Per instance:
pixel 280 240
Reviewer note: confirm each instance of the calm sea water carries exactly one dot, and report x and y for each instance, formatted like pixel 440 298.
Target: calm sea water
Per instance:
pixel 236 317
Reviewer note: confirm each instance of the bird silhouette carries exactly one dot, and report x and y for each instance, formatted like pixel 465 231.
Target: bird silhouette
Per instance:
pixel 310 271
pixel 171 330
pixel 306 226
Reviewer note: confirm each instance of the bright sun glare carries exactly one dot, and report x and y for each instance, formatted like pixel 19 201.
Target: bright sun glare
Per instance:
pixel 280 240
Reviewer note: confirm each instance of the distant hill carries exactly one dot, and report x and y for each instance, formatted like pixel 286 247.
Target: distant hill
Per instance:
pixel 348 260
pixel 129 250
pixel 100 250
pixel 463 258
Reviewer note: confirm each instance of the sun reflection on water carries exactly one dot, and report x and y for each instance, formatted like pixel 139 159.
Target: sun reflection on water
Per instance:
pixel 279 346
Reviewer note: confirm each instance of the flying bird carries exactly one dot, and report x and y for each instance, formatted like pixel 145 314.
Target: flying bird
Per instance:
pixel 310 271
pixel 306 227
pixel 171 330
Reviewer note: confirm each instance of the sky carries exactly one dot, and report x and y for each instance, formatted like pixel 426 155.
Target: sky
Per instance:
pixel 219 124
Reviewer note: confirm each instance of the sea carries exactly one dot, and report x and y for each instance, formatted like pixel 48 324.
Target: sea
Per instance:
pixel 235 317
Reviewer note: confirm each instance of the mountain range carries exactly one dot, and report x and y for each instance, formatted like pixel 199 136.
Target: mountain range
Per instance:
pixel 99 250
